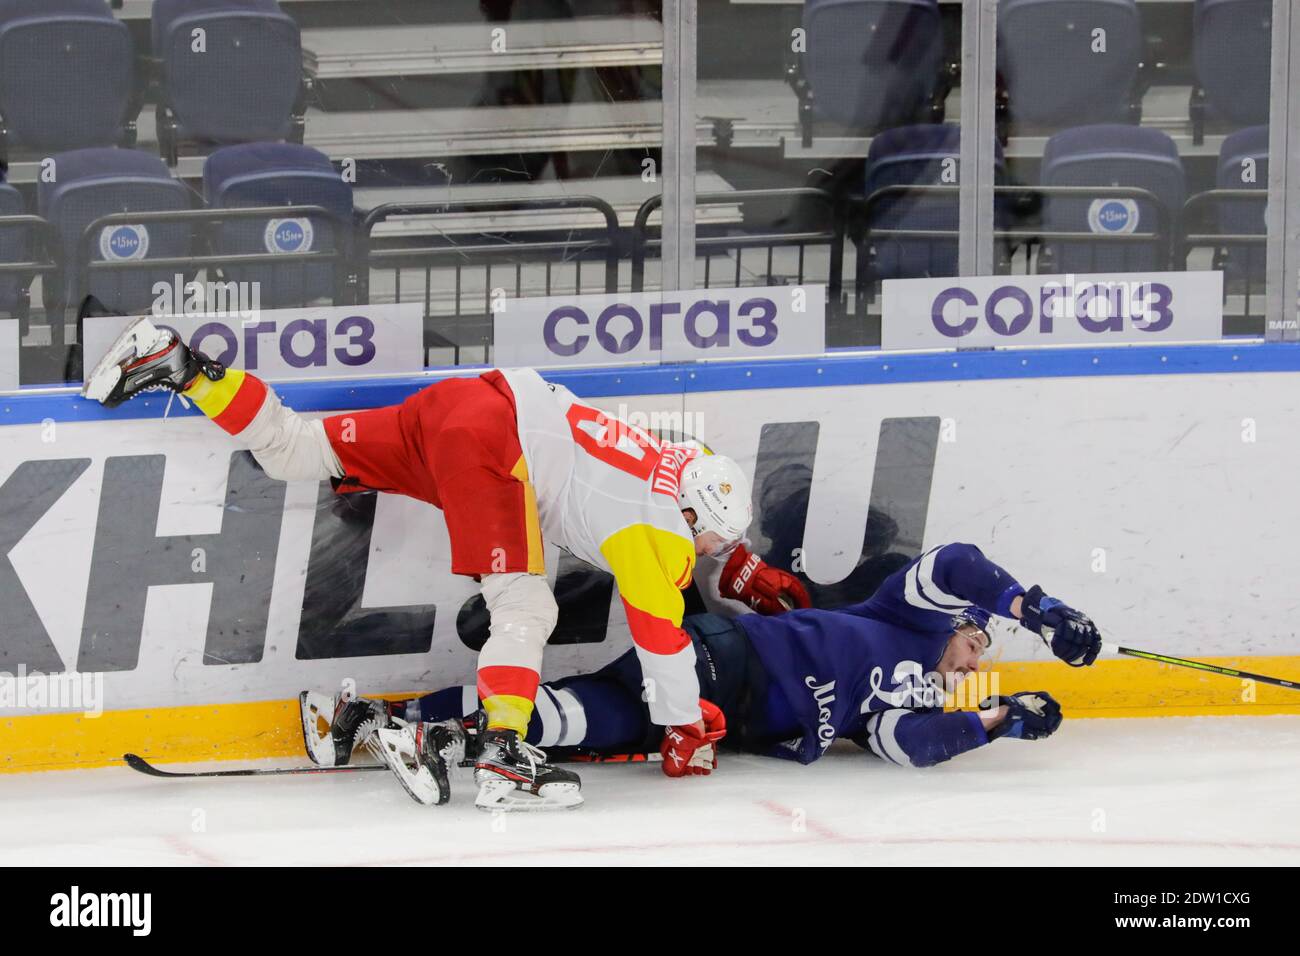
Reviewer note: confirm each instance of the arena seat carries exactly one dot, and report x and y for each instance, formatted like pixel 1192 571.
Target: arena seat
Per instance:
pixel 1247 148
pixel 871 63
pixel 245 86
pixel 279 174
pixel 1232 47
pixel 1112 155
pixel 67 75
pixel 96 182
pixel 1052 74
pixel 916 156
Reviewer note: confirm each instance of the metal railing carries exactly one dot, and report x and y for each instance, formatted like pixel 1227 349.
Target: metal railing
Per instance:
pixel 41 243
pixel 1241 256
pixel 208 219
pixel 708 247
pixel 865 234
pixel 469 322
pixel 458 313
pixel 1038 246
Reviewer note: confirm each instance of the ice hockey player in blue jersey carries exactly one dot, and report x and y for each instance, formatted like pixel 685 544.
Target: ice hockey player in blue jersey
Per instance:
pixel 792 683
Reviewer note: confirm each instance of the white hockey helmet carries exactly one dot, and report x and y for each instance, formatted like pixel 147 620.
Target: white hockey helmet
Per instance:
pixel 715 488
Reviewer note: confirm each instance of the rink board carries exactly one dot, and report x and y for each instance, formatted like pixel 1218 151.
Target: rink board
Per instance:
pixel 1152 487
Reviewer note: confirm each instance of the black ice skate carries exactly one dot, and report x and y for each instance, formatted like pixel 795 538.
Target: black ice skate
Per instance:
pixel 145 357
pixel 475 728
pixel 419 755
pixel 333 727
pixel 512 774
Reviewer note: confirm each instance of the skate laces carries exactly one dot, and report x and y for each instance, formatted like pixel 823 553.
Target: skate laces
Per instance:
pixel 185 402
pixel 535 755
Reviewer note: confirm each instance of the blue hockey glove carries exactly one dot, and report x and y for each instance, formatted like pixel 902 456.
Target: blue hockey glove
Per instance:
pixel 1071 634
pixel 1031 715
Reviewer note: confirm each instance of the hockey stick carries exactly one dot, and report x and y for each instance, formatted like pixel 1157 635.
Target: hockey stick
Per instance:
pixel 139 763
pixel 589 757
pixel 1201 666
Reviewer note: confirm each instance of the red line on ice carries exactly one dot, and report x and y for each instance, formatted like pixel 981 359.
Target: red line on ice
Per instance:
pixel 823 840
pixel 186 848
pixel 780 810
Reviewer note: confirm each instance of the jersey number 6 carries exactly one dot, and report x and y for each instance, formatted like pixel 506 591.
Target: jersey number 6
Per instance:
pixel 613 441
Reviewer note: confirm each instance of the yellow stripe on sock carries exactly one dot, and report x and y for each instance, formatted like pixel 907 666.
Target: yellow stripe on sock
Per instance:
pixel 536 560
pixel 509 712
pixel 213 397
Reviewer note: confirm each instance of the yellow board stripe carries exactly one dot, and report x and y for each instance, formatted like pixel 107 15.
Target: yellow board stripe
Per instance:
pixel 213 397
pixel 1138 688
pixel 235 731
pixel 536 558
pixel 1110 688
pixel 245 731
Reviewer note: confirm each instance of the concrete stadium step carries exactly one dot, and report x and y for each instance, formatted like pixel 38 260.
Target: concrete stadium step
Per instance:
pixel 430 50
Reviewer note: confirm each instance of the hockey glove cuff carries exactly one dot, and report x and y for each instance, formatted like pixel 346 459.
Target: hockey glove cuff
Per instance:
pixel 1069 633
pixel 1031 715
pixel 687 751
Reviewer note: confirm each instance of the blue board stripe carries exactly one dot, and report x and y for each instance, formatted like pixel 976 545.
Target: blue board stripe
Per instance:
pixel 857 368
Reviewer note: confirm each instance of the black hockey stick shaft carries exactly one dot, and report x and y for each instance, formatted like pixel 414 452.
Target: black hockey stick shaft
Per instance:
pixel 136 762
pixel 1202 666
pixel 592 757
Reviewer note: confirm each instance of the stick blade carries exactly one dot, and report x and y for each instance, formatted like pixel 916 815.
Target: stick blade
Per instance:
pixel 136 762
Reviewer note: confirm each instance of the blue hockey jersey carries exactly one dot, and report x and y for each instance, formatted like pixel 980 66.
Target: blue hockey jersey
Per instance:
pixel 865 671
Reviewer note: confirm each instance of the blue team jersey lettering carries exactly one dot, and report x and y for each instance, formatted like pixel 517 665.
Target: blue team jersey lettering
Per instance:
pixel 824 695
pixel 913 688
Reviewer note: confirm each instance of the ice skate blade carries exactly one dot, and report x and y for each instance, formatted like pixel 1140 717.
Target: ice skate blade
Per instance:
pixel 100 382
pixel 315 707
pixel 505 795
pixel 395 747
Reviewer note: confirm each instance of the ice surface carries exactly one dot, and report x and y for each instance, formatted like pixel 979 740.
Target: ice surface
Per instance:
pixel 1180 791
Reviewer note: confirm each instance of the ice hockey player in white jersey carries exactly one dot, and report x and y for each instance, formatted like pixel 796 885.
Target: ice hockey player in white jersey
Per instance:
pixel 512 461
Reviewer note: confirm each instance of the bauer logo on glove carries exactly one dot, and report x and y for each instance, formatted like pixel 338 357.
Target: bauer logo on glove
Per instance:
pixel 768 590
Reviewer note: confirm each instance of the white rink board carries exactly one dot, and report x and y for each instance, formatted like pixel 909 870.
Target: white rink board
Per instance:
pixel 1197 525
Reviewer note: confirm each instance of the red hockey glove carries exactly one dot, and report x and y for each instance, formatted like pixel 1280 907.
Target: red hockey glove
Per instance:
pixel 768 590
pixel 687 751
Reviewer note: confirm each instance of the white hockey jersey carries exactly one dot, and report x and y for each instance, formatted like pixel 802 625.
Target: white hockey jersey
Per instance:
pixel 607 493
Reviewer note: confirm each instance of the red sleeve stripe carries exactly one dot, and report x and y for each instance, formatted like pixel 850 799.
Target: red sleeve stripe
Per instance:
pixel 239 414
pixel 654 634
pixel 683 581
pixel 503 679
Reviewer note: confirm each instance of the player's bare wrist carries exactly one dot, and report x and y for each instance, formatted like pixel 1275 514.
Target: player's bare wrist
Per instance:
pixel 991 718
